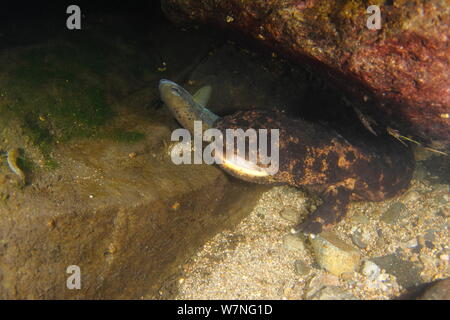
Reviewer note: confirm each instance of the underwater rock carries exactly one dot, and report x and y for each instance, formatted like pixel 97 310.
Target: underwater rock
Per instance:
pixel 319 282
pixel 358 240
pixel 360 219
pixel 101 191
pixel 333 293
pixel 334 255
pixel 394 213
pixel 127 222
pixel 371 270
pixel 243 80
pixel 397 75
pixel 438 291
pixel 406 272
pixel 294 242
pixel 291 214
pixel 301 268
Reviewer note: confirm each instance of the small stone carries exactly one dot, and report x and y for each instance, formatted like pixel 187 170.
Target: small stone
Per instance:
pixel 412 196
pixel 347 276
pixel 444 188
pixel 381 242
pixel 334 255
pixel 358 241
pixel 294 242
pixel 319 282
pixel 429 244
pixel 370 270
pixel 445 213
pixel 290 214
pixel 430 235
pixel 360 219
pixel 290 192
pixel 394 213
pixel 429 260
pixel 333 293
pixel 443 199
pixel 444 257
pixel 301 268
pixel 412 243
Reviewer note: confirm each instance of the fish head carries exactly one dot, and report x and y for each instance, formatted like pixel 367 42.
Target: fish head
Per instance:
pixel 185 108
pixel 174 96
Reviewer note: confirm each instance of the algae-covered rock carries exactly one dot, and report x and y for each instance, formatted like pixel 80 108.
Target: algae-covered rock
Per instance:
pixel 397 75
pixel 127 221
pixel 101 190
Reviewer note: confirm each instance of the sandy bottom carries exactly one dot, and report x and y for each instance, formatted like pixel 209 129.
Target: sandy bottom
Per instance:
pixel 253 261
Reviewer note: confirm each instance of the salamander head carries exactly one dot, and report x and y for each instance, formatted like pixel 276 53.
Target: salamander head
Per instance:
pixel 187 109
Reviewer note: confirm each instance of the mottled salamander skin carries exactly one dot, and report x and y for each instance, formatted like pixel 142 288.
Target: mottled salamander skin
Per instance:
pixel 313 156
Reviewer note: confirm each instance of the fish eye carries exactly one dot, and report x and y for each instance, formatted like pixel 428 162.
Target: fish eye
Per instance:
pixel 175 91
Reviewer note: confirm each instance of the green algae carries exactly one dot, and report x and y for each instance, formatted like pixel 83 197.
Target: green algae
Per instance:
pixel 60 92
pixel 126 136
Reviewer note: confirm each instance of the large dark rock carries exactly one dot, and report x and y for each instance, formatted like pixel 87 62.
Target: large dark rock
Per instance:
pixel 406 272
pixel 398 76
pixel 124 213
pixel 102 192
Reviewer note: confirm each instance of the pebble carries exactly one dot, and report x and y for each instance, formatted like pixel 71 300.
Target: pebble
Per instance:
pixel 333 293
pixel 290 214
pixel 357 240
pixel 430 235
pixel 301 268
pixel 394 213
pixel 347 276
pixel 412 243
pixel 334 255
pixel 412 196
pixel 444 188
pixel 319 282
pixel 291 192
pixel 429 244
pixel 381 242
pixel 294 242
pixel 444 257
pixel 371 270
pixel 443 199
pixel 360 219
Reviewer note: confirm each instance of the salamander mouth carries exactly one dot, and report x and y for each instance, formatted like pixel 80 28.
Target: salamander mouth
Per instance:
pixel 244 167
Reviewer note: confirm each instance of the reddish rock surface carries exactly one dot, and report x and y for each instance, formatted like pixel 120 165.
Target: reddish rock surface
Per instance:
pixel 398 76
